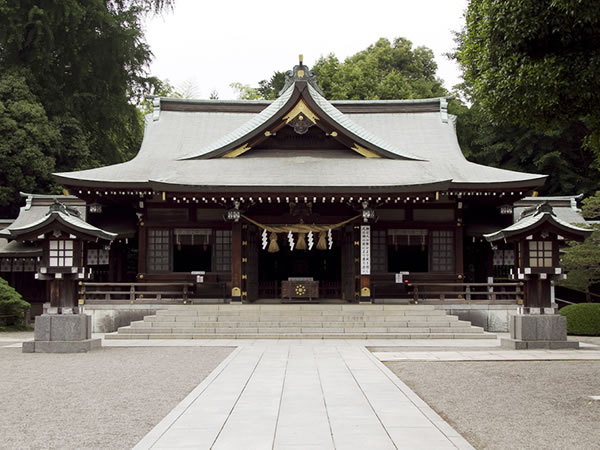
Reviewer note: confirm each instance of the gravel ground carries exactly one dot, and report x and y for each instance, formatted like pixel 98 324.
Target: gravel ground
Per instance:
pixel 105 399
pixel 512 405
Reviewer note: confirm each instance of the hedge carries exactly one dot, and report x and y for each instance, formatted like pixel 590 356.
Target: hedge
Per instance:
pixel 12 305
pixel 582 319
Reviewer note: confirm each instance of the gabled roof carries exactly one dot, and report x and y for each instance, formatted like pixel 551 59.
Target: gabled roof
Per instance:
pixel 411 146
pixel 544 217
pixel 301 99
pixel 61 214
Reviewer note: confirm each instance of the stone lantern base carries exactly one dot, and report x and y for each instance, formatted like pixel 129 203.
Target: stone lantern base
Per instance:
pixel 538 331
pixel 62 333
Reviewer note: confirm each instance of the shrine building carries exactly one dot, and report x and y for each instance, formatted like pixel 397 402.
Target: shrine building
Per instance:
pixel 298 198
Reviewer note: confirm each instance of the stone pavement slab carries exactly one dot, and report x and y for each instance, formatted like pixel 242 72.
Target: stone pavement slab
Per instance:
pixel 299 396
pixel 495 355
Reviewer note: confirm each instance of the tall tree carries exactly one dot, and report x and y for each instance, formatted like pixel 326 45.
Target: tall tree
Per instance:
pixel 534 63
pixel 556 153
pixel 85 66
pixel 385 70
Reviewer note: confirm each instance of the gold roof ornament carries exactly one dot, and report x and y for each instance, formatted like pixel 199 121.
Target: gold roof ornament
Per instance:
pixel 301 108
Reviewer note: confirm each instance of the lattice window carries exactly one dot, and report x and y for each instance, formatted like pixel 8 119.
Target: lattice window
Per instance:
pixel 540 254
pixel 442 251
pixel 97 257
pixel 379 259
pixel 61 253
pixel 222 250
pixel 159 246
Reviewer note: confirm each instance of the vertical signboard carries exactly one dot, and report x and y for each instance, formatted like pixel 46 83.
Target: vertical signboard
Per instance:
pixel 365 250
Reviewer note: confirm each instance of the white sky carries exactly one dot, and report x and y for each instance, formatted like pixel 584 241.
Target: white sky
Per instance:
pixel 211 44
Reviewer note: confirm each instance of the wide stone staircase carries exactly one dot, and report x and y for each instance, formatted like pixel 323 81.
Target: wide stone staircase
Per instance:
pixel 325 321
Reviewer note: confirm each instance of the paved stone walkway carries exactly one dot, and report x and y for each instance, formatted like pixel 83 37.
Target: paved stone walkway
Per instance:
pixel 302 397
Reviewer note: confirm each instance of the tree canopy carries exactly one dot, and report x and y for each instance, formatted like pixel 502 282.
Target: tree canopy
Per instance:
pixel 76 70
pixel 534 63
pixel 385 70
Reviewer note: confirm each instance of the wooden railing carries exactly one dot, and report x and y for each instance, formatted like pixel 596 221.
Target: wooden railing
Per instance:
pixel 467 292
pixel 133 292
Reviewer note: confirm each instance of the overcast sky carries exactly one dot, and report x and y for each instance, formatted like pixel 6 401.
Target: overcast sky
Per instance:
pixel 212 44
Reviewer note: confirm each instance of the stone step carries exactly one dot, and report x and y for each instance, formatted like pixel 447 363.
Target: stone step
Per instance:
pixel 302 307
pixel 296 318
pixel 374 335
pixel 299 321
pixel 249 330
pixel 404 324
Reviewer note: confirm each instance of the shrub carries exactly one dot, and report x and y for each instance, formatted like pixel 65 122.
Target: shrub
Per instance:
pixel 582 319
pixel 12 305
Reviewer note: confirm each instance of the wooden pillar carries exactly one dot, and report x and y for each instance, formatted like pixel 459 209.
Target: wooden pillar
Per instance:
pixel 459 263
pixel 142 248
pixel 236 262
pixel 365 264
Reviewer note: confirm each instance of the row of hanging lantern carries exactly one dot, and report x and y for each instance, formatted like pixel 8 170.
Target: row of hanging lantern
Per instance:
pixel 304 241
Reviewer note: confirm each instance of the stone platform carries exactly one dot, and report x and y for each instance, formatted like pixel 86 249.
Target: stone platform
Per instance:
pixel 538 331
pixel 62 333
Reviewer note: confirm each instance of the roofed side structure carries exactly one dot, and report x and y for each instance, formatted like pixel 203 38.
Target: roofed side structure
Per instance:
pixel 543 218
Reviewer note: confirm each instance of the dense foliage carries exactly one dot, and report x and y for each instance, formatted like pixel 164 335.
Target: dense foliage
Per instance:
pixel 383 71
pixel 581 260
pixel 12 306
pixel 582 319
pixel 557 153
pixel 534 63
pixel 72 72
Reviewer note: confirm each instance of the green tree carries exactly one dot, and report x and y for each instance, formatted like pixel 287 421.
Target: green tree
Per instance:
pixel 85 63
pixel 556 153
pixel 581 260
pixel 534 63
pixel 12 305
pixel 29 144
pixel 383 71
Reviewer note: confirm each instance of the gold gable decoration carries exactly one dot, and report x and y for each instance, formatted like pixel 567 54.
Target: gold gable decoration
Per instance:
pixel 301 108
pixel 237 152
pixel 364 152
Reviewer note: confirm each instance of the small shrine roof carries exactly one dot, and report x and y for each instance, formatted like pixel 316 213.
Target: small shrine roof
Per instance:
pixel 32 219
pixel 543 215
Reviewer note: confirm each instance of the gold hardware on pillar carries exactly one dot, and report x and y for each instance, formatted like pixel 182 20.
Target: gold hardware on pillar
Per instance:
pixel 356 260
pixel 236 292
pixel 365 292
pixel 244 227
pixel 244 277
pixel 356 243
pixel 244 260
pixel 244 294
pixel 244 243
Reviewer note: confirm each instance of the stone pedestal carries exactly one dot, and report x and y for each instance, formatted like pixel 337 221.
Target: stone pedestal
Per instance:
pixel 62 333
pixel 538 331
